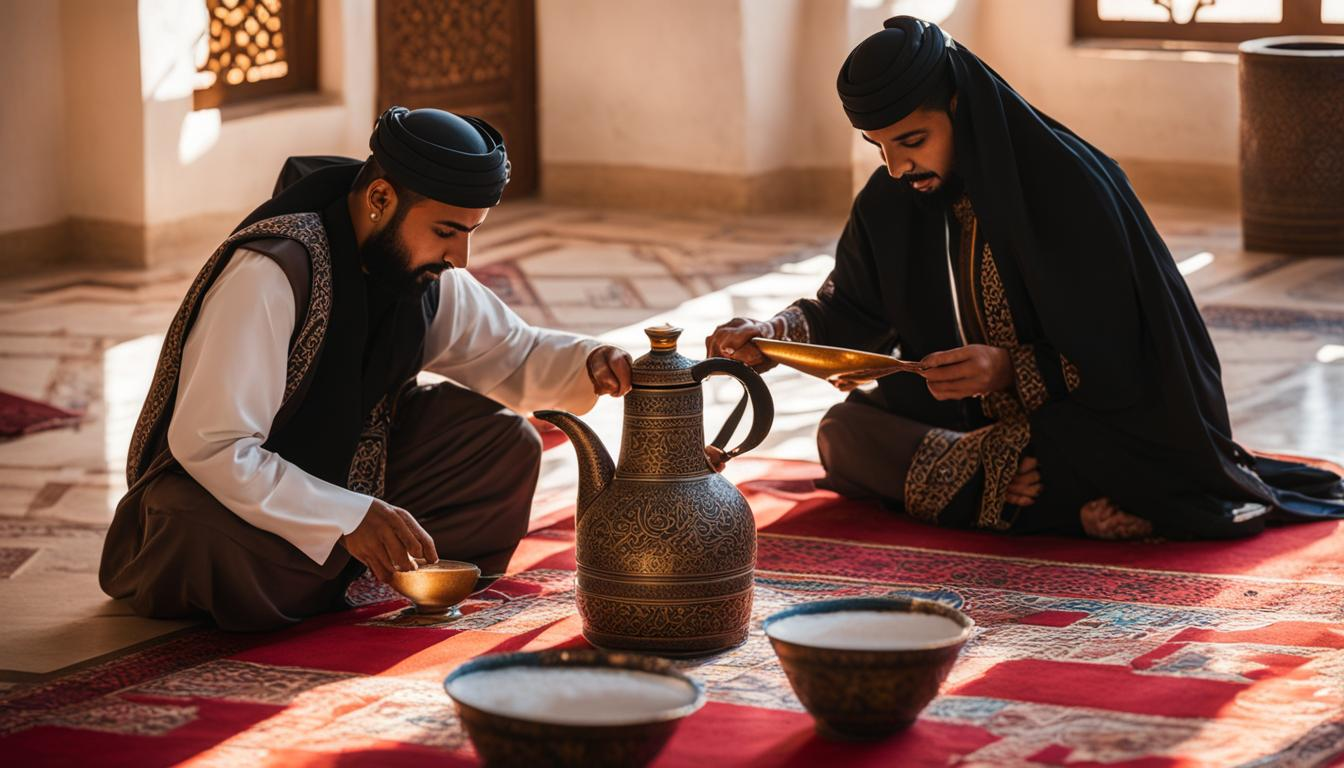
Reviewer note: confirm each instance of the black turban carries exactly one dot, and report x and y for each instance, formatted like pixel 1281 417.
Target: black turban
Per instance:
pixel 455 159
pixel 888 75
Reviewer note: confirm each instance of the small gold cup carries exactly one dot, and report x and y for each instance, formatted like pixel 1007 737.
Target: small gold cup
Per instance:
pixel 435 589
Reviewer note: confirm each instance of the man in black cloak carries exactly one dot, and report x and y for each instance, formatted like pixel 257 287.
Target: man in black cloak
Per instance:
pixel 1071 385
pixel 285 445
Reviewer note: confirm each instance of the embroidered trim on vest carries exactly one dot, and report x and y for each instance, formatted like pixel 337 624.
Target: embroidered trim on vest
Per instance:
pixel 1072 378
pixel 1008 438
pixel 304 227
pixel 1030 383
pixel 970 232
pixel 946 460
pixel 963 211
pixel 368 467
pixel 998 316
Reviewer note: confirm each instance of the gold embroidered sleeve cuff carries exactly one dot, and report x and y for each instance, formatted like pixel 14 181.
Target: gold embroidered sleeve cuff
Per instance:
pixel 795 325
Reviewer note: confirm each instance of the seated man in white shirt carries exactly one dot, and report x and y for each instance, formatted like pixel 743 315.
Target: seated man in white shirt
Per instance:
pixel 285 445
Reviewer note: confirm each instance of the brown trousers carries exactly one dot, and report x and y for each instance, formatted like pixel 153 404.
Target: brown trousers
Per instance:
pixel 867 451
pixel 462 464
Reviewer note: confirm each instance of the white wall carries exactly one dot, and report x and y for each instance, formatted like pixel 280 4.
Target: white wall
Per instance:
pixel 104 127
pixel 96 119
pixel 790 53
pixel 32 111
pixel 201 162
pixel 769 69
pixel 716 86
pixel 1134 105
pixel 641 82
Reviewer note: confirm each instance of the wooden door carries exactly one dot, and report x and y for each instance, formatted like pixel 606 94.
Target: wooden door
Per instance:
pixel 474 57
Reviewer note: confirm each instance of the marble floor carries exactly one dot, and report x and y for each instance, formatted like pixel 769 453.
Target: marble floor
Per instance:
pixel 87 340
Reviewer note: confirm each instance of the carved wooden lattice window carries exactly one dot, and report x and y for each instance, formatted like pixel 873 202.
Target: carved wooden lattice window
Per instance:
pixel 1206 21
pixel 257 49
pixel 477 57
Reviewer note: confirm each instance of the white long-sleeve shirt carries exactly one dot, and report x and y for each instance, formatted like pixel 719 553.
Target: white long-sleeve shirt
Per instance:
pixel 232 382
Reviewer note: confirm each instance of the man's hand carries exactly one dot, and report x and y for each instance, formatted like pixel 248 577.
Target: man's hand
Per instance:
pixel 849 382
pixel 387 539
pixel 970 371
pixel 716 457
pixel 609 370
pixel 733 340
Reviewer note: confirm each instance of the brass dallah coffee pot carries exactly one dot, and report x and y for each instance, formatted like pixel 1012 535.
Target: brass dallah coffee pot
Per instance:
pixel 666 546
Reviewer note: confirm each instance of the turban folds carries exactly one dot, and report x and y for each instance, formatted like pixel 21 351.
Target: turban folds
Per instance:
pixel 455 159
pixel 892 72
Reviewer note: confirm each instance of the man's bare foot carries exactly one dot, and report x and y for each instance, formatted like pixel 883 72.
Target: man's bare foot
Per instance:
pixel 1103 520
pixel 1026 486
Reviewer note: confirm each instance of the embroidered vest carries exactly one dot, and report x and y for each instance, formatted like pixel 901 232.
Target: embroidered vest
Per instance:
pixel 353 347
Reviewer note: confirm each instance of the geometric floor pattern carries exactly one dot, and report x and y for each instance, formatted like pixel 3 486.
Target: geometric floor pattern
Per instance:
pixel 86 340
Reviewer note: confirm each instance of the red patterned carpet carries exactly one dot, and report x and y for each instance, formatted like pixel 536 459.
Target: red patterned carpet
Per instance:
pixel 1088 654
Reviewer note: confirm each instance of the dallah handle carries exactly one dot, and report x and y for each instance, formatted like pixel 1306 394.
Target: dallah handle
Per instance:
pixel 763 405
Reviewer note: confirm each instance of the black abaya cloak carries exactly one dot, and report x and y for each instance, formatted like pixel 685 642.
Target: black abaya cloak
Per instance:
pixel 1147 424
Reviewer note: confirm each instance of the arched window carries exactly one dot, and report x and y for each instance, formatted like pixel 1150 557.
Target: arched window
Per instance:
pixel 257 49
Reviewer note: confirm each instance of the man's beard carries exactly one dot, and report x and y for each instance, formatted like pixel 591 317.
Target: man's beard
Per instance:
pixel 387 261
pixel 947 191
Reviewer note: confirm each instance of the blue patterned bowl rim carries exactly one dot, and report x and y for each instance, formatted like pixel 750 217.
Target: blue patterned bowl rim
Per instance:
pixel 583 657
pixel 895 604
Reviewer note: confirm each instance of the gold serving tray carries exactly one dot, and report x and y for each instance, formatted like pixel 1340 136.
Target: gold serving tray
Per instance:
pixel 832 362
